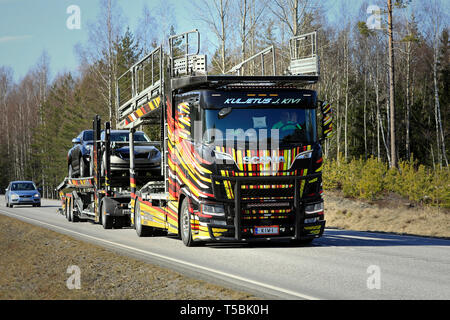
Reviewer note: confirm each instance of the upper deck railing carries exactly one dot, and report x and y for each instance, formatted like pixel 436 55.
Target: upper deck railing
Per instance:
pixel 143 82
pixel 139 90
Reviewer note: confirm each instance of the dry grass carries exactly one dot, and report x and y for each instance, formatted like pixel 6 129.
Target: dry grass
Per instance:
pixel 34 263
pixel 392 214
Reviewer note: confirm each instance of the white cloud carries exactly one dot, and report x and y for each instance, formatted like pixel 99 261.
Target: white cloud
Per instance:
pixel 13 38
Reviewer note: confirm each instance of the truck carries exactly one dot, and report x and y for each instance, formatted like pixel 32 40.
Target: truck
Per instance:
pixel 241 154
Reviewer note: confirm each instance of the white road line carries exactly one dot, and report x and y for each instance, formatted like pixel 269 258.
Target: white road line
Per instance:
pixel 174 260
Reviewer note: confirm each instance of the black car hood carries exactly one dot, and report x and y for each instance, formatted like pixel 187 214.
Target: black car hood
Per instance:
pixel 137 149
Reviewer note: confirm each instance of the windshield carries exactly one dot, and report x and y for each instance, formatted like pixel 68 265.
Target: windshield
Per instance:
pixel 88 135
pixel 287 125
pixel 124 136
pixel 23 186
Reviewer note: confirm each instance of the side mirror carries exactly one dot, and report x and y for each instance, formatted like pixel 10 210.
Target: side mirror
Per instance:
pixel 327 123
pixel 76 141
pixel 40 190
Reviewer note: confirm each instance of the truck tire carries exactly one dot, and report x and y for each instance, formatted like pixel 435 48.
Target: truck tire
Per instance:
pixel 73 216
pixel 69 209
pixel 107 221
pixel 141 230
pixel 185 224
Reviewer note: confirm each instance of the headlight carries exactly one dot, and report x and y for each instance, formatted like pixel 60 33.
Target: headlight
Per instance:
pixel 304 155
pixel 314 208
pixel 37 195
pixel 14 196
pixel 224 156
pixel 216 210
pixel 153 154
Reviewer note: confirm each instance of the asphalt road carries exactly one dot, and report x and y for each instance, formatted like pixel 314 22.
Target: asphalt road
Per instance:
pixel 340 265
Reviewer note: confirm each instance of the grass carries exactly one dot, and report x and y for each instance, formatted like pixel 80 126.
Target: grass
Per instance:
pixel 34 263
pixel 392 214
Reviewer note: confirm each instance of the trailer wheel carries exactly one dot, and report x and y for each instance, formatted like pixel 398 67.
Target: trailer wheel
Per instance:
pixel 73 217
pixel 65 208
pixel 185 227
pixel 69 210
pixel 141 230
pixel 107 221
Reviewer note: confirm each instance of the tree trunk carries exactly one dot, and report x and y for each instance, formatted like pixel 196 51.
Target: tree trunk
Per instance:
pixel 365 118
pixel 408 103
pixel 223 38
pixel 346 101
pixel 392 87
pixel 338 122
pixel 439 131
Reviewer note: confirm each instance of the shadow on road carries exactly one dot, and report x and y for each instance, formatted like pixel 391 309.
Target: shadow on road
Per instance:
pixel 344 238
pixel 19 206
pixel 340 238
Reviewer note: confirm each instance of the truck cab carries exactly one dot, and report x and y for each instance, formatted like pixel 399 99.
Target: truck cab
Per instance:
pixel 249 159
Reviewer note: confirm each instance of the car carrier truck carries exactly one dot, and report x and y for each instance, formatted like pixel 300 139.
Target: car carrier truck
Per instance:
pixel 241 156
pixel 103 198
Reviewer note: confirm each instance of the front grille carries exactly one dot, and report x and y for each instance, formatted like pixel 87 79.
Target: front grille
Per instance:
pixel 269 203
pixel 126 156
pixel 262 201
pixel 271 192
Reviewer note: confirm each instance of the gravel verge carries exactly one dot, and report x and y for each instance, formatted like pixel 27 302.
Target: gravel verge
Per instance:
pixel 34 266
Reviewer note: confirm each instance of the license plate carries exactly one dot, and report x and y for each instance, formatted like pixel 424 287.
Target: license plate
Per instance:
pixel 269 230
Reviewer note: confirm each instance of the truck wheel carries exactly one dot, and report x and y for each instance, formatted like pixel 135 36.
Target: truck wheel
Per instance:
pixel 74 217
pixel 69 208
pixel 107 221
pixel 185 226
pixel 141 230
pixel 66 209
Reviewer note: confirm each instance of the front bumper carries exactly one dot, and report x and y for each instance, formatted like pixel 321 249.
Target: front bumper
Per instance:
pixel 248 206
pixel 226 233
pixel 25 201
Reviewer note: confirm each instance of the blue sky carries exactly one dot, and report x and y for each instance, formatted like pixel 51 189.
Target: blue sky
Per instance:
pixel 28 27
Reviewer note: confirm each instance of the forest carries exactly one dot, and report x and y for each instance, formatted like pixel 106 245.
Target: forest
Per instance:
pixel 385 70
